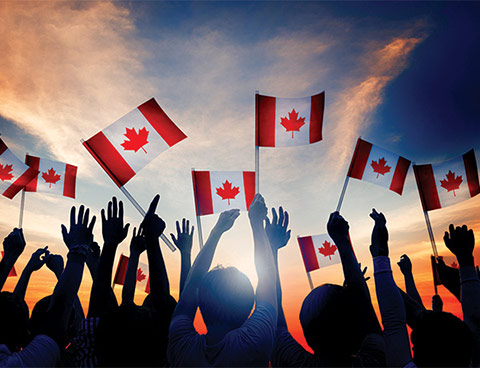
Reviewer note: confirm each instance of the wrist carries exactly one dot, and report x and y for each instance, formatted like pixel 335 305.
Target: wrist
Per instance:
pixel 466 260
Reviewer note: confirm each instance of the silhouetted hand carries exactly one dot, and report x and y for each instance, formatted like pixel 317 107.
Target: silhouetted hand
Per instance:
pixel 337 228
pixel 152 225
pixel 277 229
pixel 55 264
pixel 461 241
pixel 437 303
pixel 379 246
pixel 257 211
pixel 14 244
pixel 38 259
pixel 80 231
pixel 138 244
pixel 226 220
pixel 364 272
pixel 184 239
pixel 113 229
pixel 405 265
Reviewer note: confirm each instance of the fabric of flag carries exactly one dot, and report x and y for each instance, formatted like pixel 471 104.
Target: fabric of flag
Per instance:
pixel 54 177
pixel 130 143
pixel 142 274
pixel 318 251
pixel 12 272
pixel 288 121
pixel 14 174
pixel 436 276
pixel 450 261
pixel 218 191
pixel 447 183
pixel 378 166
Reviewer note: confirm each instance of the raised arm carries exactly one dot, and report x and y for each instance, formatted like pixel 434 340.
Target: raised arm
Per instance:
pixel 278 237
pixel 187 303
pixel 37 260
pixel 264 262
pixel 184 241
pixel 13 247
pixel 102 298
pixel 137 247
pixel 152 227
pixel 461 242
pixel 390 301
pixel 406 267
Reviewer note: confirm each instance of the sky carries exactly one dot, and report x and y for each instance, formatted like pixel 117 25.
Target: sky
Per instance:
pixel 402 75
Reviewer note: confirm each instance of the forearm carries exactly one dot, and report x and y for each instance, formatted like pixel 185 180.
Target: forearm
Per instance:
pixel 186 264
pixel 265 266
pixel 22 284
pixel 351 269
pixel 412 288
pixel 281 321
pixel 393 315
pixel 6 265
pixel 128 290
pixel 159 284
pixel 470 295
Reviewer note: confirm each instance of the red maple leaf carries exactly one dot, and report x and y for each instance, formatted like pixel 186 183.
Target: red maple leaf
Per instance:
pixel 454 265
pixel 227 192
pixel 452 182
pixel 140 275
pixel 51 177
pixel 328 249
pixel 5 173
pixel 135 140
pixel 380 167
pixel 292 123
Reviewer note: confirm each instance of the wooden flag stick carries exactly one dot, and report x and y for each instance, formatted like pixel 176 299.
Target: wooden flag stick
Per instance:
pixel 142 212
pixel 22 208
pixel 257 149
pixel 430 233
pixel 342 195
pixel 310 280
pixel 199 220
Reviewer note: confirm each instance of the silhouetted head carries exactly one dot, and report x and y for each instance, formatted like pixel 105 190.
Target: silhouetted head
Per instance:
pixel 330 318
pixel 225 297
pixel 132 336
pixel 441 340
pixel 13 321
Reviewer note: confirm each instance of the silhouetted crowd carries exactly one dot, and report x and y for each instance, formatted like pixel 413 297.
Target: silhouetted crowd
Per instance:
pixel 338 321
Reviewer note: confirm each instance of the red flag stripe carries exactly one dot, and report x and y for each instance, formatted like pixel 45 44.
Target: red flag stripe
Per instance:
pixel 3 147
pixel 472 173
pixel 317 106
pixel 34 163
pixel 109 159
pixel 249 185
pixel 400 175
pixel 359 159
pixel 13 271
pixel 265 121
pixel 20 183
pixel 203 192
pixel 147 286
pixel 307 248
pixel 70 181
pixel 426 187
pixel 121 270
pixel 164 126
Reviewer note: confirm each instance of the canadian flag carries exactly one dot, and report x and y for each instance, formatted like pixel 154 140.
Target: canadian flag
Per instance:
pixel 143 279
pixel 130 143
pixel 447 183
pixel 318 251
pixel 378 166
pixel 450 261
pixel 217 191
pixel 14 174
pixel 288 121
pixel 54 177
pixel 12 272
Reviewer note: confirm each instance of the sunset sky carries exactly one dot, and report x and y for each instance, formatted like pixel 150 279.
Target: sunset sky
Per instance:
pixel 403 75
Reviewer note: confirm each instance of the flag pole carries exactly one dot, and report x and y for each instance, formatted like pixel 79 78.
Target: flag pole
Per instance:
pixel 132 200
pixel 22 204
pixel 142 212
pixel 257 148
pixel 199 220
pixel 430 233
pixel 342 195
pixel 310 280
